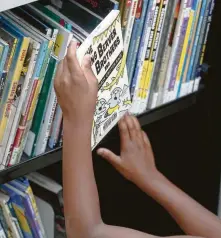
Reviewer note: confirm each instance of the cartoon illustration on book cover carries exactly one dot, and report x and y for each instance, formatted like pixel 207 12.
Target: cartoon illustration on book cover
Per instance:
pixel 105 46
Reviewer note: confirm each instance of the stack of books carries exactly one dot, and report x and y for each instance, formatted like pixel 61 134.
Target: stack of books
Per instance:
pixel 156 57
pixel 19 216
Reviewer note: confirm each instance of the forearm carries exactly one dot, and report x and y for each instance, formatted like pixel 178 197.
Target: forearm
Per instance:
pixel 81 202
pixel 193 218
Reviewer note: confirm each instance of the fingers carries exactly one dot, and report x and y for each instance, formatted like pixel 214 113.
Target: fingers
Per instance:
pixel 58 74
pixel 109 156
pixel 72 61
pixel 146 139
pixel 133 127
pixel 124 133
pixel 87 70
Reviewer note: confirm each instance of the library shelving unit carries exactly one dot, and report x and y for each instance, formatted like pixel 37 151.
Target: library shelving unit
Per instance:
pixel 186 140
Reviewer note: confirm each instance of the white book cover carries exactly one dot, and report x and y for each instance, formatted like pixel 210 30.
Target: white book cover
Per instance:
pixel 105 45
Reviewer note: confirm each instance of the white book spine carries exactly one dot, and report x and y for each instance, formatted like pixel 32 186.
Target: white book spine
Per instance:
pixel 46 125
pixel 168 95
pixel 55 128
pixel 129 26
pixel 2 233
pixel 17 111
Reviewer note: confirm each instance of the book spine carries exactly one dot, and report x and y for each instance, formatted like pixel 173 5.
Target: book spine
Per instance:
pixel 26 76
pixel 182 34
pixel 2 66
pixel 129 26
pixel 126 13
pixel 13 86
pixel 27 104
pixel 43 135
pixel 141 55
pixel 2 232
pixel 144 75
pixel 40 109
pixel 167 25
pixel 10 220
pixel 186 42
pixel 183 90
pixel 138 34
pixel 19 209
pixel 4 224
pixel 132 47
pixel 53 140
pixel 154 55
pixel 196 41
pixel 199 49
pixel 5 72
pixel 207 31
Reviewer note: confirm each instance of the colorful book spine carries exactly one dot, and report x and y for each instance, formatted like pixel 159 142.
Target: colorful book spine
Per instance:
pixel 196 42
pixel 4 224
pixel 184 24
pixel 153 56
pixel 183 90
pixel 161 49
pixel 150 15
pixel 14 75
pixel 132 55
pixel 40 109
pixel 126 12
pixel 53 140
pixel 145 67
pixel 33 219
pixel 194 76
pixel 19 207
pixel 17 144
pixel 186 43
pixel 2 232
pixel 45 128
pixel 209 20
pixel 21 94
pixel 4 54
pixel 12 222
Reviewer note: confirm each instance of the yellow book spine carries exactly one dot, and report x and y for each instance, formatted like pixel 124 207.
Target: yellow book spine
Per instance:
pixel 13 86
pixel 40 82
pixel 185 45
pixel 148 51
pixel 11 55
pixel 151 63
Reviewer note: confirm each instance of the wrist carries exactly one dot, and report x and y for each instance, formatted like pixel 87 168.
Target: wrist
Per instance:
pixel 151 182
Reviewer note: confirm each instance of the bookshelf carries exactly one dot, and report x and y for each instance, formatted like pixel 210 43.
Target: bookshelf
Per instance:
pixel 53 156
pixel 5 5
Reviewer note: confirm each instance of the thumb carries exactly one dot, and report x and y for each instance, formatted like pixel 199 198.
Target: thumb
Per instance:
pixel 86 67
pixel 109 156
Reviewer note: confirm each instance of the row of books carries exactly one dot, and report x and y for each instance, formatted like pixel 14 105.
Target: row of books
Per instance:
pixel 166 49
pixel 35 38
pixel 162 46
pixel 19 215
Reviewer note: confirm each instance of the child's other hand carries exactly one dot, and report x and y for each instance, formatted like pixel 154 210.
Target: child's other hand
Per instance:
pixel 136 161
pixel 76 88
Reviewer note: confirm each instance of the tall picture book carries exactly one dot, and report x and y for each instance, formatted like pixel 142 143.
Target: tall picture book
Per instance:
pixel 105 46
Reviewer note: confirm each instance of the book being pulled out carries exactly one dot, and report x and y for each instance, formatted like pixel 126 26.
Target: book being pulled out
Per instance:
pixel 105 46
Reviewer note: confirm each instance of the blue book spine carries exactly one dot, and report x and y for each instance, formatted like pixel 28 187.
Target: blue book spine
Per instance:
pixel 116 6
pixel 200 42
pixel 19 207
pixel 202 12
pixel 31 215
pixel 3 58
pixel 138 38
pixel 194 8
pixel 149 14
pixel 12 30
pixel 132 47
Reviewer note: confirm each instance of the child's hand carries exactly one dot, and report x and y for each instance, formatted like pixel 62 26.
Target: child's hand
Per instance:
pixel 136 160
pixel 76 88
